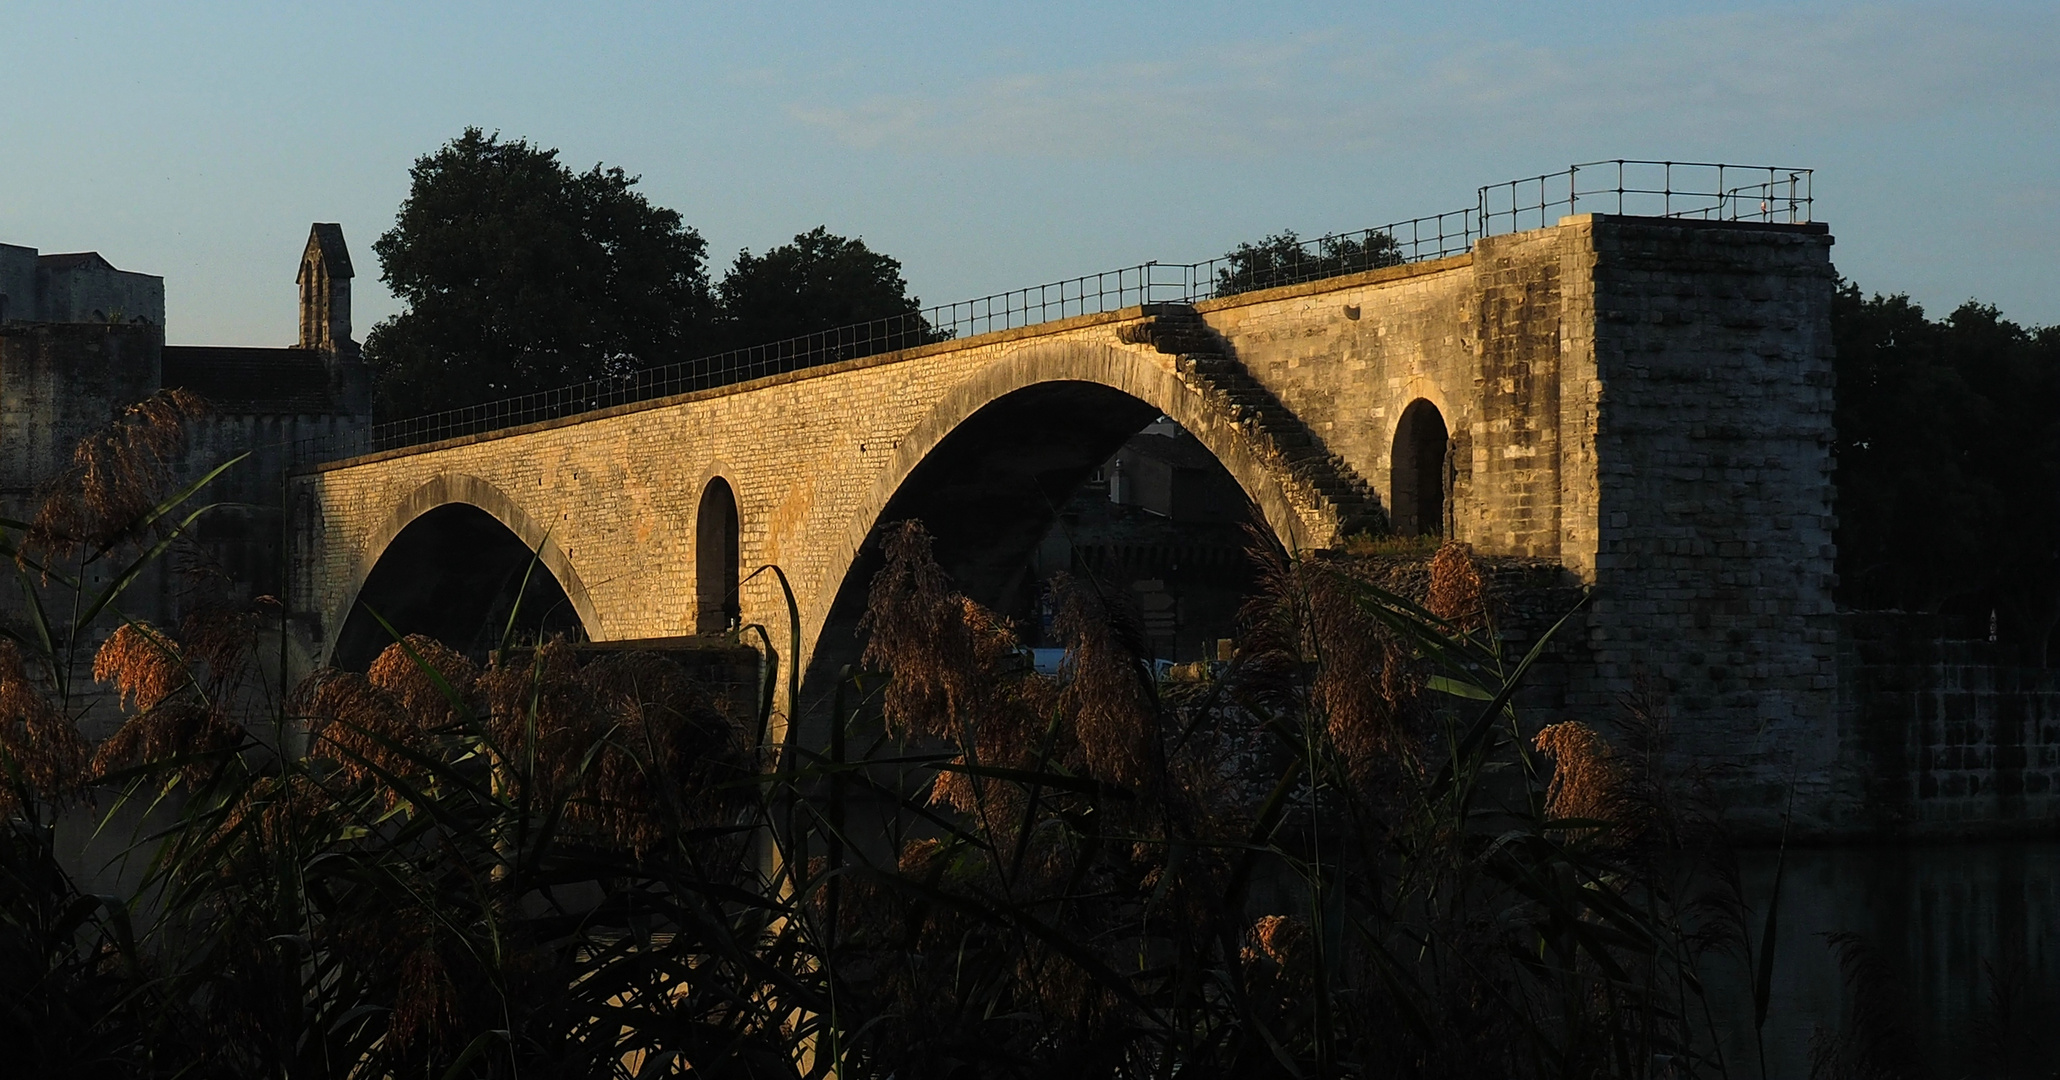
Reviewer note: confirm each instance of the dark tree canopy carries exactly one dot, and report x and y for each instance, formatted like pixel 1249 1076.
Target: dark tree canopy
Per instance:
pixel 819 282
pixel 1948 465
pixel 1284 259
pixel 521 275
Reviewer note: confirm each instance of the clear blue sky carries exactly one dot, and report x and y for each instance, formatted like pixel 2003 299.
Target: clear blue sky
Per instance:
pixel 994 146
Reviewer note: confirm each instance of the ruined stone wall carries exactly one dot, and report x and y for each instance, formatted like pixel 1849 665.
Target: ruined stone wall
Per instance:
pixel 93 292
pixel 242 542
pixel 59 382
pixel 17 283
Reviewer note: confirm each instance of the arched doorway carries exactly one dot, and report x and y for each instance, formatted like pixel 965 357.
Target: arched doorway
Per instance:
pixel 1418 483
pixel 457 574
pixel 715 560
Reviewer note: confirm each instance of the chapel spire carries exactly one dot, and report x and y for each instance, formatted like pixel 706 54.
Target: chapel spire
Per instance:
pixel 324 280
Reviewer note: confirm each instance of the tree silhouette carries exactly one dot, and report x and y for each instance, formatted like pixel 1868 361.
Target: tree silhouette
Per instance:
pixel 521 275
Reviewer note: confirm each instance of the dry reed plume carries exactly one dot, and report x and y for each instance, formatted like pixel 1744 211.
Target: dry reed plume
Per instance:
pixel 1457 593
pixel 668 754
pixel 408 678
pixel 1588 779
pixel 362 728
pixel 1278 961
pixel 44 754
pixel 143 664
pixel 917 629
pixel 168 715
pixel 219 644
pixel 1108 691
pixel 117 476
pixel 632 743
pixel 1311 627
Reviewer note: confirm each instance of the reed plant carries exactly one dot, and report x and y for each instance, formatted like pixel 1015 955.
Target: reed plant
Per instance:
pixel 1342 853
pixel 1346 852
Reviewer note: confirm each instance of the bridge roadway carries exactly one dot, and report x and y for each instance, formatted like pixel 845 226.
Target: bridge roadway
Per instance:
pixel 1646 401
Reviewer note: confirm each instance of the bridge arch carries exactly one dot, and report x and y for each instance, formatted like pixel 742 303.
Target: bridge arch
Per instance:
pixel 474 510
pixel 1139 373
pixel 999 451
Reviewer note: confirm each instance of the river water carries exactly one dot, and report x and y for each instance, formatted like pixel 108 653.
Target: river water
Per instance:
pixel 1968 939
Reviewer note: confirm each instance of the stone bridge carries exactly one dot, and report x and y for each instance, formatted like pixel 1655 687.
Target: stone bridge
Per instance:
pixel 1645 401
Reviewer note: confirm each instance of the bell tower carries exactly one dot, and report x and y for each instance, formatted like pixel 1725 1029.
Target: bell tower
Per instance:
pixel 324 281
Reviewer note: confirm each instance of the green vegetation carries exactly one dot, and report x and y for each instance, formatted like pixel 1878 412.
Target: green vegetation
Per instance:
pixel 820 282
pixel 1949 466
pixel 521 275
pixel 1285 259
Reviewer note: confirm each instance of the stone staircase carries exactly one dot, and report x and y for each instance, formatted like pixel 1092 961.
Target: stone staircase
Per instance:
pixel 1323 489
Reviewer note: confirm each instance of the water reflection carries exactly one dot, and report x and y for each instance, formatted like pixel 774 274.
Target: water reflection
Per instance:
pixel 1969 932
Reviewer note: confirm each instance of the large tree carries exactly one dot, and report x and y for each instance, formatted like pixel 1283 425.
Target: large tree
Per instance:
pixel 821 282
pixel 520 274
pixel 1948 465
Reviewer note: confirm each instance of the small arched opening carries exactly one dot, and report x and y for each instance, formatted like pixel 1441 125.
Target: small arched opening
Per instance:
pixel 460 576
pixel 1419 485
pixel 715 560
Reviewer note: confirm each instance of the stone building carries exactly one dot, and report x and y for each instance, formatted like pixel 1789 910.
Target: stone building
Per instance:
pixel 80 287
pixel 80 340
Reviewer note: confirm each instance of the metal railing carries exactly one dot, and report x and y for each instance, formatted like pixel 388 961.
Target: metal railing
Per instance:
pixel 1676 189
pixel 1647 188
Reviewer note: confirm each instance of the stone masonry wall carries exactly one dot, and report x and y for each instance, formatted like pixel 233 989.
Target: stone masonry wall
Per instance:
pixel 57 383
pixel 1348 355
pixel 1713 450
pixel 1938 733
pixel 1485 338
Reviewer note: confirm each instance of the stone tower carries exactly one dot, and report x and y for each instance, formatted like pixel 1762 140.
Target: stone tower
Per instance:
pixel 324 281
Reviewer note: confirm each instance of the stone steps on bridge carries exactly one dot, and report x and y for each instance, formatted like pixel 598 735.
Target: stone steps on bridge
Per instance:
pixel 1317 480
